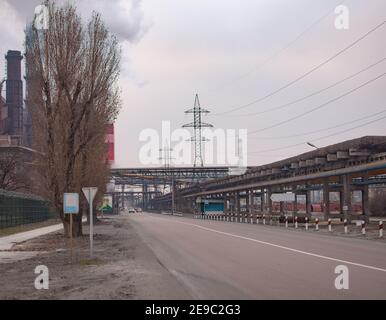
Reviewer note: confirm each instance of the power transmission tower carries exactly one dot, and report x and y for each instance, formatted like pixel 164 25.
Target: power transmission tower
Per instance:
pixel 167 158
pixel 197 125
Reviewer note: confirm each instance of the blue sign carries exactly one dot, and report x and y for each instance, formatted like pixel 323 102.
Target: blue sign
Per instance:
pixel 71 203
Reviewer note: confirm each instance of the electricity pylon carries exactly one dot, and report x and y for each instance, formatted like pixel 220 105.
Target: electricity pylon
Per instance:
pixel 167 158
pixel 197 125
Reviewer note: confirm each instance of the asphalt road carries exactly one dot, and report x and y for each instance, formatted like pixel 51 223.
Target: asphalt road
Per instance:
pixel 223 260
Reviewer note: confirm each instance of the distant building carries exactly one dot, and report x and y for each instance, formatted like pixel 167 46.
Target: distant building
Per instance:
pixel 110 143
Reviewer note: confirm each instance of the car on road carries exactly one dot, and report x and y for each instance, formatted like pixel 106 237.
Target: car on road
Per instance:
pixel 138 209
pixel 131 210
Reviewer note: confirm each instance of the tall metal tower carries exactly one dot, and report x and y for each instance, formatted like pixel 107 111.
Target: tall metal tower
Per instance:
pixel 167 158
pixel 197 125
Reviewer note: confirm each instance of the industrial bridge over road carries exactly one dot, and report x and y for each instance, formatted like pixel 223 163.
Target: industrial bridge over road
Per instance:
pixel 149 182
pixel 342 168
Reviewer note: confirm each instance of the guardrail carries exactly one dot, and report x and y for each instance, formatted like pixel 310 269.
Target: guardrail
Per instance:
pixel 275 220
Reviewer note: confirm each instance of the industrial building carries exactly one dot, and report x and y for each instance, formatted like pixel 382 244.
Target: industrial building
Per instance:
pixel 15 126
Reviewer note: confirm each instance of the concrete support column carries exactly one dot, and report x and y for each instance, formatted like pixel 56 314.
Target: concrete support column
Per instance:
pixel 262 200
pixel 295 202
pixel 225 198
pixel 144 196
pixel 251 201
pixel 237 202
pixel 365 202
pixel 247 201
pixel 269 201
pixel 346 180
pixel 326 199
pixel 308 202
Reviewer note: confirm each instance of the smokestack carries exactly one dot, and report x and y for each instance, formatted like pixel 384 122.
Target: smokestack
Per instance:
pixel 14 95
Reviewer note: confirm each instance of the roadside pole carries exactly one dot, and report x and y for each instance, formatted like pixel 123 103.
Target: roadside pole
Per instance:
pixel 71 206
pixel 90 193
pixel 91 224
pixel 71 242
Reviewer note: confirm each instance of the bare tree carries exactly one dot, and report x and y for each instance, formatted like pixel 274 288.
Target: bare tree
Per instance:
pixel 72 74
pixel 12 173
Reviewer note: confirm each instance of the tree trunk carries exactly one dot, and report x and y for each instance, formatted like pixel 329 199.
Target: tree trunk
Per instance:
pixel 77 228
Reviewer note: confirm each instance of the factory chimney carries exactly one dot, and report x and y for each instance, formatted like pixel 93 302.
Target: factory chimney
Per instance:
pixel 14 93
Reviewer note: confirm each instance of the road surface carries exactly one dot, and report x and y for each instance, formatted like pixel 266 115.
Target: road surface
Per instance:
pixel 223 260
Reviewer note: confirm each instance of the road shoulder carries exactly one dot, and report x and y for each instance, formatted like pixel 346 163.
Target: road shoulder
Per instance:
pixel 123 267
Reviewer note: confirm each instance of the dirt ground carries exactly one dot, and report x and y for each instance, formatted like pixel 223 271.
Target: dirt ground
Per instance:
pixel 123 267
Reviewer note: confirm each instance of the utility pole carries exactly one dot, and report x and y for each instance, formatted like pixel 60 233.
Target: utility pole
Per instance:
pixel 197 125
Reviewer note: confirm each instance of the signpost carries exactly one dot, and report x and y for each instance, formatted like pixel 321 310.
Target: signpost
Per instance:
pixel 71 206
pixel 90 193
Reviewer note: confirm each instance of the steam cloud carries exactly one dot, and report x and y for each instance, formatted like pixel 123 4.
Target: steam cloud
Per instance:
pixel 124 18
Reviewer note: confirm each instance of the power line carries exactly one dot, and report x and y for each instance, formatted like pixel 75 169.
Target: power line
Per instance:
pixel 319 106
pixel 281 50
pixel 320 130
pixel 309 95
pixel 323 137
pixel 307 73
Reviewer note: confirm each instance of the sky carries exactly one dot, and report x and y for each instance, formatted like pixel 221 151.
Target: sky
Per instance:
pixel 232 53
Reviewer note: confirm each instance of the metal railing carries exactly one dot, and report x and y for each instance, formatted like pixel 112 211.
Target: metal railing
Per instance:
pixel 18 209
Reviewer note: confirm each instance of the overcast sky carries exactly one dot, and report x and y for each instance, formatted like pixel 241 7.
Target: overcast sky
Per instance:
pixel 231 53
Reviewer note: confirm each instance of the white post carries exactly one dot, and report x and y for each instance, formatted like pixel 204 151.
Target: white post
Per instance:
pixel 296 222
pixel 380 229
pixel 329 225
pixel 91 223
pixel 317 224
pixel 345 226
pixel 306 223
pixel 264 219
pixel 286 221
pixel 364 228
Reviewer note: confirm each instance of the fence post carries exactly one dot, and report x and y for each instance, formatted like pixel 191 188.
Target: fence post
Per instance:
pixel 317 224
pixel 380 229
pixel 306 223
pixel 345 226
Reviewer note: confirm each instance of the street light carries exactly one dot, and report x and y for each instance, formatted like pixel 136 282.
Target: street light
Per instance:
pixel 312 145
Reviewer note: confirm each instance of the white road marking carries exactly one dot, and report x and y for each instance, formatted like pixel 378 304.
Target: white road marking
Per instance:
pixel 280 247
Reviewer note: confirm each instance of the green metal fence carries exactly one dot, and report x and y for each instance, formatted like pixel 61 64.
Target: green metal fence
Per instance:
pixel 18 209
